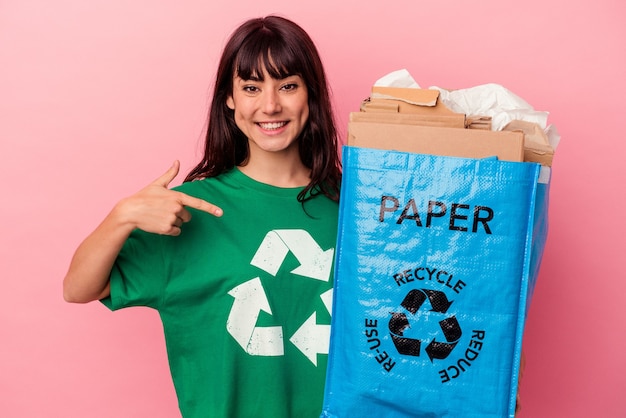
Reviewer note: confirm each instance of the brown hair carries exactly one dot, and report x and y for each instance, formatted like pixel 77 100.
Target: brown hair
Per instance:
pixel 283 48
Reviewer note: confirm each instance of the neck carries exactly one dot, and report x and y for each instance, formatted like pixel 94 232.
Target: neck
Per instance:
pixel 279 171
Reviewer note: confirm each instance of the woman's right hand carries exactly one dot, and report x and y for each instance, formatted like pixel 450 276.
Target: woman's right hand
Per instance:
pixel 159 210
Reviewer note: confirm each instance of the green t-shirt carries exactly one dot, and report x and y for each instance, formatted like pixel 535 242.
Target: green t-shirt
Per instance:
pixel 244 298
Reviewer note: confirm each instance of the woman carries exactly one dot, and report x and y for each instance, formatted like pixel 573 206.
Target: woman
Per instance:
pixel 243 283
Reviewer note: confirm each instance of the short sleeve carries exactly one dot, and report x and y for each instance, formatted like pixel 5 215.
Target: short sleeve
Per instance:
pixel 138 276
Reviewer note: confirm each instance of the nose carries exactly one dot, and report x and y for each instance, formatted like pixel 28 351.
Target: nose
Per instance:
pixel 271 102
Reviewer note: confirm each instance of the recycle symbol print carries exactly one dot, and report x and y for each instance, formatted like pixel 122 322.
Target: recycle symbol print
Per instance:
pixel 399 322
pixel 250 297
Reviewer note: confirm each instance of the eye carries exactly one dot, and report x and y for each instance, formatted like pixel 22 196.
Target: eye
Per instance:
pixel 250 88
pixel 289 87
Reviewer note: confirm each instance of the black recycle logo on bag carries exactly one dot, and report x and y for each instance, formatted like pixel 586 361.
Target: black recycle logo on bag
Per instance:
pixel 399 322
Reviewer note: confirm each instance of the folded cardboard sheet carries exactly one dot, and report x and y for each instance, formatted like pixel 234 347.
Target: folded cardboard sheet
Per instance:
pixel 445 141
pixel 537 148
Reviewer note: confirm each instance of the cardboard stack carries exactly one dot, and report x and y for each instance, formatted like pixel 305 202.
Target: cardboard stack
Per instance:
pixel 415 120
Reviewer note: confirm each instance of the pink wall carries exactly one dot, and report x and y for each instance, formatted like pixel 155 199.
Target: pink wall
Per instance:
pixel 98 97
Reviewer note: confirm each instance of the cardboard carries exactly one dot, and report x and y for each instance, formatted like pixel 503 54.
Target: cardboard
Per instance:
pixel 456 120
pixel 452 142
pixel 478 122
pixel 411 106
pixel 419 97
pixel 537 148
pixel 405 100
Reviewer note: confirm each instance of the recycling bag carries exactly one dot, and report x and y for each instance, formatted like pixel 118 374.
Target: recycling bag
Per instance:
pixel 433 271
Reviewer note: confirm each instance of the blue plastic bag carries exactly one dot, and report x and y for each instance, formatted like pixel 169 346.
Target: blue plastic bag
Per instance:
pixel 433 270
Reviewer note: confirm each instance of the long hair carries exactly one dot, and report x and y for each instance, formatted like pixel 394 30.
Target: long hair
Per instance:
pixel 282 48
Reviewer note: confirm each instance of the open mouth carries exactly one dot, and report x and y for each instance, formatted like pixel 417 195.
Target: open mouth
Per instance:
pixel 270 126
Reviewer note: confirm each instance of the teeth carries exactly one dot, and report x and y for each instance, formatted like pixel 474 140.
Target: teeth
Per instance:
pixel 272 125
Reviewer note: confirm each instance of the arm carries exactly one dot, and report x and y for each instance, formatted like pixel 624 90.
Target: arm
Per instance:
pixel 155 209
pixel 88 276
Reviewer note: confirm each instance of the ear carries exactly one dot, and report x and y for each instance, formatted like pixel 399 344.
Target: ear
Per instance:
pixel 230 103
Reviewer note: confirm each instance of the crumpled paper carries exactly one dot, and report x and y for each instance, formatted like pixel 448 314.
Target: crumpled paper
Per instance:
pixel 492 100
pixel 399 78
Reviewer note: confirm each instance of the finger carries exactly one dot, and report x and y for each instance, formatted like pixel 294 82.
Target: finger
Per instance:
pixel 167 177
pixel 203 205
pixel 174 231
pixel 179 222
pixel 183 215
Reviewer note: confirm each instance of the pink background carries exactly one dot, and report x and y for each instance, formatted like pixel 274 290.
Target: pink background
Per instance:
pixel 98 97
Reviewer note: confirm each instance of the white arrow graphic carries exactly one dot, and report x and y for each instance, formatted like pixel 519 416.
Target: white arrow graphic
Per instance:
pixel 314 262
pixel 312 338
pixel 250 300
pixel 327 299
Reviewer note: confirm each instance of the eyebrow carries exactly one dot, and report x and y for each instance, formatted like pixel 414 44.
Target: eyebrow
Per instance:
pixel 254 77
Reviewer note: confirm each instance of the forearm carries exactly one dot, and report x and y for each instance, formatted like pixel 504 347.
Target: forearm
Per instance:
pixel 87 278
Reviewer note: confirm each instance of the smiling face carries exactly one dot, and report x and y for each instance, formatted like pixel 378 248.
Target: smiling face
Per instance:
pixel 270 112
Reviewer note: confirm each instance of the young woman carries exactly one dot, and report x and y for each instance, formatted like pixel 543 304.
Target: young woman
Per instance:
pixel 243 283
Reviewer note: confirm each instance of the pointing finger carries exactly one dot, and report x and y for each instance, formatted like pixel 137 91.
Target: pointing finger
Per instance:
pixel 203 205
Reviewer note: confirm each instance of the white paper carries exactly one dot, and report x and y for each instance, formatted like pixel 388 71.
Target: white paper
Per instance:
pixel 553 136
pixel 399 78
pixel 492 100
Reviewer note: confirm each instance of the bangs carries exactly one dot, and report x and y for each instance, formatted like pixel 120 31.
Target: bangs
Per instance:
pixel 265 50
